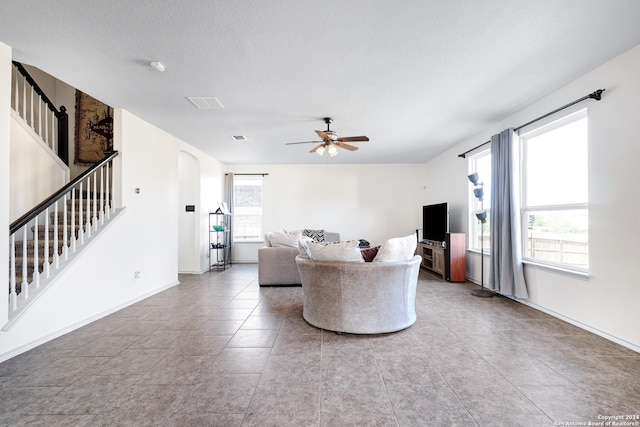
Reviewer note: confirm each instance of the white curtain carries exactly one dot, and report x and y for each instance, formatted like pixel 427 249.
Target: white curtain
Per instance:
pixel 506 274
pixel 229 218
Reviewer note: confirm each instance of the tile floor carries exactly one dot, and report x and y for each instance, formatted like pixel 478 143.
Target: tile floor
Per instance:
pixel 217 350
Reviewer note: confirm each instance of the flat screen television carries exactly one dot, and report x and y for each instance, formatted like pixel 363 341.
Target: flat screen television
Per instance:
pixel 435 222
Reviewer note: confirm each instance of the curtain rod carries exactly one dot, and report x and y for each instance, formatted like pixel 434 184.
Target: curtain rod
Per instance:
pixel 248 174
pixel 597 95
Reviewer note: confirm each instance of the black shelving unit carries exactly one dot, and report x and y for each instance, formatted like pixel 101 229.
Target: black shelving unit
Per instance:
pixel 219 239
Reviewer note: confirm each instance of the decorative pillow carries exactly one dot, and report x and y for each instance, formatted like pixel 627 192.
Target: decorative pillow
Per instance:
pixel 340 251
pixel 368 254
pixel 397 249
pixel 267 237
pixel 284 238
pixel 303 247
pixel 316 235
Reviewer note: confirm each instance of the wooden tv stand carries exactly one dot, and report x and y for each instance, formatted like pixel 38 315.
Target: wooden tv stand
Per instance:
pixel 450 261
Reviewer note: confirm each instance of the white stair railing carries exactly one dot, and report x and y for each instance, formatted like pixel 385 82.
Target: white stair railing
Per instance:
pixel 33 106
pixel 47 237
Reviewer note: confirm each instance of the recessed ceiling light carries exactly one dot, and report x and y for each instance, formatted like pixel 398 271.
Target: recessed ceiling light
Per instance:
pixel 206 102
pixel 240 138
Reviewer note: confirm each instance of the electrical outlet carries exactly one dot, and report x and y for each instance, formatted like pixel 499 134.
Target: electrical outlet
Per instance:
pixel 137 275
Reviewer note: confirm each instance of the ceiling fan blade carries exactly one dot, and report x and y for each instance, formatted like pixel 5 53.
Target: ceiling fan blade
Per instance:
pixel 304 142
pixel 353 139
pixel 346 146
pixel 322 134
pixel 316 148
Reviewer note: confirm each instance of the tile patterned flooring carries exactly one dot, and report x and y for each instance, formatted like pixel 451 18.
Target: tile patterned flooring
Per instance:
pixel 217 350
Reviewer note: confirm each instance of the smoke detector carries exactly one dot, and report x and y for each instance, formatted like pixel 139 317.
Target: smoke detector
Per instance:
pixel 158 66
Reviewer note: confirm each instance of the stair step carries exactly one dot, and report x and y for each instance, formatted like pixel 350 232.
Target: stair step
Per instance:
pixel 31 247
pixel 41 227
pixel 83 203
pixel 29 265
pixel 80 202
pixel 29 271
pixel 84 194
pixel 76 214
pixel 70 233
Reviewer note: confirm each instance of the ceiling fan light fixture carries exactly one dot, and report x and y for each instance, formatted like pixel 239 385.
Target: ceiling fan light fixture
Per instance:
pixel 330 142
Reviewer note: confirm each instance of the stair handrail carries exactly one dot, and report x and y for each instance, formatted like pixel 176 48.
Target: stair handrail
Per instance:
pixel 24 219
pixel 61 115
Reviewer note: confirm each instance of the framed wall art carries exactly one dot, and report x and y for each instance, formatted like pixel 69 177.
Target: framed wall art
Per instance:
pixel 94 129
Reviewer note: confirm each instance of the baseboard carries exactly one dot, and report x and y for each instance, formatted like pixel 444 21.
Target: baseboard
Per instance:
pixel 605 335
pixel 194 272
pixel 19 350
pixel 617 340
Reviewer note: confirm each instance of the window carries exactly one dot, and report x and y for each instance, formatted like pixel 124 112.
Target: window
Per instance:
pixel 247 208
pixel 481 164
pixel 555 193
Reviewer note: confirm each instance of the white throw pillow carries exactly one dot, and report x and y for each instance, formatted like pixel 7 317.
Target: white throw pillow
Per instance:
pixel 303 248
pixel 348 251
pixel 284 238
pixel 397 249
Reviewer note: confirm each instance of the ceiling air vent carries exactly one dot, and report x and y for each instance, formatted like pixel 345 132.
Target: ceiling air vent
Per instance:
pixel 206 102
pixel 239 138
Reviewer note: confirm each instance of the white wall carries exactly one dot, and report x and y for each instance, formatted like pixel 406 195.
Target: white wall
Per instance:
pixel 36 172
pixel 607 302
pixel 151 162
pixel 5 121
pixel 189 192
pixel 372 202
pixel 211 191
pixel 201 184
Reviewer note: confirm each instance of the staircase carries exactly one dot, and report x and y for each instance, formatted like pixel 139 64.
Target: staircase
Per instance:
pixel 45 239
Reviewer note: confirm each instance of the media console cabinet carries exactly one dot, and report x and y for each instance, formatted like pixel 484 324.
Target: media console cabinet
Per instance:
pixel 449 261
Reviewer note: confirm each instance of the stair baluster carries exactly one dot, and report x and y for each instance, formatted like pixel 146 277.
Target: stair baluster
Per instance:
pixel 65 229
pixel 46 267
pixel 36 260
pixel 87 223
pixel 13 295
pixel 24 286
pixel 94 218
pixel 56 255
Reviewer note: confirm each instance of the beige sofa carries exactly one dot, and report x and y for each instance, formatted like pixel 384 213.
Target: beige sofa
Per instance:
pixel 359 298
pixel 277 264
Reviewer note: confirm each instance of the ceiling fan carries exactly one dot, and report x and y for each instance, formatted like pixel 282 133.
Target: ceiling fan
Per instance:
pixel 330 141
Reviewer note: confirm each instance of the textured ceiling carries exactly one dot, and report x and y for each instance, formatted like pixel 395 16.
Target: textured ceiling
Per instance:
pixel 415 76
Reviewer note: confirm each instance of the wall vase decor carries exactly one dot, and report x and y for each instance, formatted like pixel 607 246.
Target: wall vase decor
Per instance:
pixel 94 129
